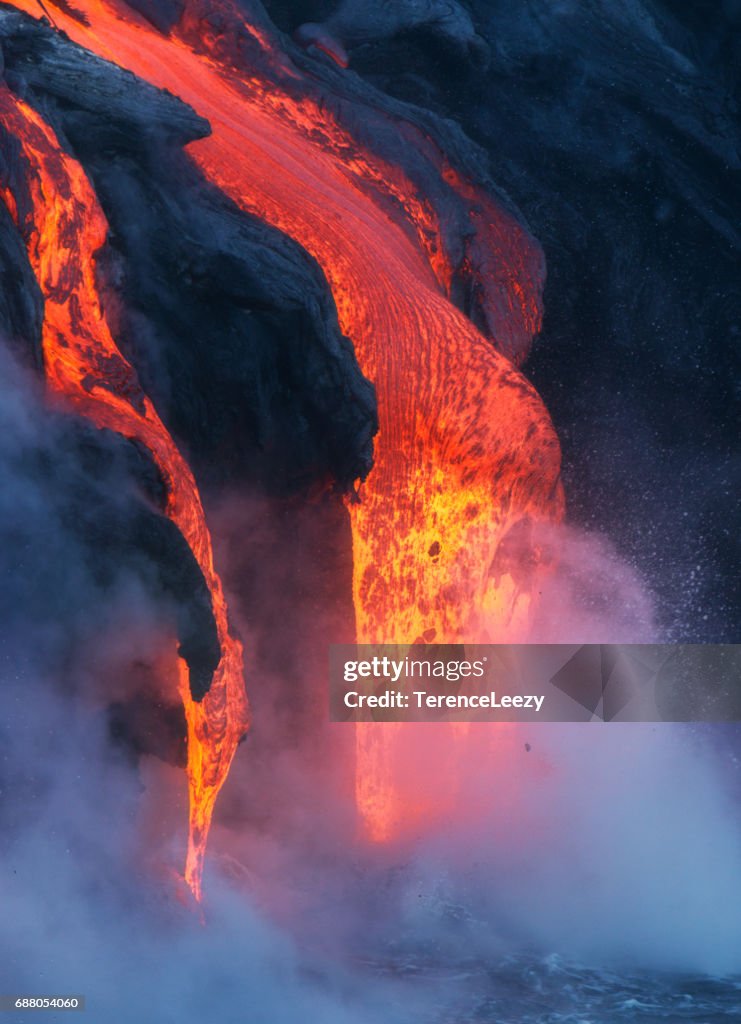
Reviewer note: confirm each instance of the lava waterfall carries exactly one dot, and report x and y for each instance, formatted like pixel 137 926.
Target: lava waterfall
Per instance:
pixel 435 280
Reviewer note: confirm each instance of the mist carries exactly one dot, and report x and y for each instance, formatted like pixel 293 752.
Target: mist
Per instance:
pixel 93 902
pixel 607 845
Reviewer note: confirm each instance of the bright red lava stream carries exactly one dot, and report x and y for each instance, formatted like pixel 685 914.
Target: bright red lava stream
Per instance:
pixel 465 451
pixel 64 227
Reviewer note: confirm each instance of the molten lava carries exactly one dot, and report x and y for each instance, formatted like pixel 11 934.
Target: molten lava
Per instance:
pixel 64 227
pixel 465 451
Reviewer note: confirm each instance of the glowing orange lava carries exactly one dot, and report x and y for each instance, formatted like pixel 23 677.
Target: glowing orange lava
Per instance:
pixel 64 228
pixel 465 450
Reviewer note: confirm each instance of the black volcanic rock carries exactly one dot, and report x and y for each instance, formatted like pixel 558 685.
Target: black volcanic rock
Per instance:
pixel 80 529
pixel 163 14
pixel 45 62
pixel 355 22
pixel 234 335
pixel 107 508
pixel 229 324
pixel 21 302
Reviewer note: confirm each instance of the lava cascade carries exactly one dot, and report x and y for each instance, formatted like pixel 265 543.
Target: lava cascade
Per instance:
pixel 465 451
pixel 64 227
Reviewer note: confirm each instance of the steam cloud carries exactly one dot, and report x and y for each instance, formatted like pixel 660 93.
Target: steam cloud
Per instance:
pixel 608 844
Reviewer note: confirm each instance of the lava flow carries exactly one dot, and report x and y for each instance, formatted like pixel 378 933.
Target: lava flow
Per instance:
pixel 58 214
pixel 465 452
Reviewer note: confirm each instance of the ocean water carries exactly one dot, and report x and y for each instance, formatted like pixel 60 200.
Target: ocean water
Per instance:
pixel 529 989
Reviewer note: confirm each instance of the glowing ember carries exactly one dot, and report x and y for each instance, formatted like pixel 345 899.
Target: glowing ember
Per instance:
pixel 466 450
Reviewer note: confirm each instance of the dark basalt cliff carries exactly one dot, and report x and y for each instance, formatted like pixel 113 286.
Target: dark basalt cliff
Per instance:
pixel 228 323
pixel 231 330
